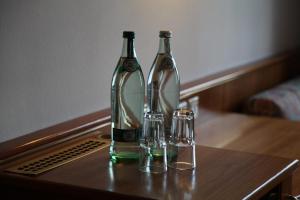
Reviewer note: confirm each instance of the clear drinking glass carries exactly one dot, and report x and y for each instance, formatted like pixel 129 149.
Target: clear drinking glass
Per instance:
pixel 181 146
pixel 153 149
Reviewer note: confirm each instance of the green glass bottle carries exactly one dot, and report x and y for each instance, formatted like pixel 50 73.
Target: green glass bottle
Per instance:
pixel 127 103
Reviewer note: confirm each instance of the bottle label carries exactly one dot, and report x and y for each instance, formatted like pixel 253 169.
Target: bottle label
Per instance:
pixel 130 64
pixel 167 61
pixel 123 135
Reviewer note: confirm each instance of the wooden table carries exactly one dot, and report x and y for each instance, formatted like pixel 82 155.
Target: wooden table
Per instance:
pixel 261 135
pixel 220 174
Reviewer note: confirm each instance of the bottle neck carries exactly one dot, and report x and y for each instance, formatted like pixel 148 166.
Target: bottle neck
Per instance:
pixel 128 48
pixel 164 46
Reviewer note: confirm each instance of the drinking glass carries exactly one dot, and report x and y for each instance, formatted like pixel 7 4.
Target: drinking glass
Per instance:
pixel 181 146
pixel 153 152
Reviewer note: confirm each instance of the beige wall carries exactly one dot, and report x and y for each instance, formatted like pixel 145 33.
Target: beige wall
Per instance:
pixel 57 56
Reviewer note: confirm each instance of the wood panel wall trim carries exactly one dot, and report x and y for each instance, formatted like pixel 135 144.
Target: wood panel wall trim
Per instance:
pixel 81 124
pixel 54 133
pixel 194 87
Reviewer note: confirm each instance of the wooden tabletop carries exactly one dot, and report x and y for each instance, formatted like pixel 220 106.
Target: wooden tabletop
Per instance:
pixel 262 135
pixel 220 174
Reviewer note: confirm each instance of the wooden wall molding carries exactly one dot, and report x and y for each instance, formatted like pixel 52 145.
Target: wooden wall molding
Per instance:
pixel 228 90
pixel 194 87
pixel 68 129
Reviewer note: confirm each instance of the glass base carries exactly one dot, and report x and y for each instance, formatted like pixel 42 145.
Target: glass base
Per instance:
pixel 127 152
pixel 181 165
pixel 153 160
pixel 181 156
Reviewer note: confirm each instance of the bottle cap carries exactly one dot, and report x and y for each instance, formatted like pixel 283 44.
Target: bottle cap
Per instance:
pixel 165 34
pixel 128 34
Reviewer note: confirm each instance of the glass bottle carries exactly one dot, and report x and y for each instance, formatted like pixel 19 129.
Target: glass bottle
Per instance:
pixel 127 103
pixel 163 85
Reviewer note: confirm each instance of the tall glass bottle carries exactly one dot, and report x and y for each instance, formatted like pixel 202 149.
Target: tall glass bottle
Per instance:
pixel 163 82
pixel 127 103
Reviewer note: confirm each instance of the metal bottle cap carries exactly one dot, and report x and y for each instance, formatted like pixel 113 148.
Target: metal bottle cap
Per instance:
pixel 165 34
pixel 128 34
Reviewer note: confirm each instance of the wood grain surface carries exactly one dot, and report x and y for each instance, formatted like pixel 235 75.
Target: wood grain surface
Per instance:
pixel 220 174
pixel 262 135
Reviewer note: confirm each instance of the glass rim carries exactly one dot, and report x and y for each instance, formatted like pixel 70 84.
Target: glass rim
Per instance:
pixel 183 112
pixel 154 115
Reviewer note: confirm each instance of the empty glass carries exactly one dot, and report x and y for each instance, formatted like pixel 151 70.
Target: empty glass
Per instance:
pixel 153 154
pixel 181 146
